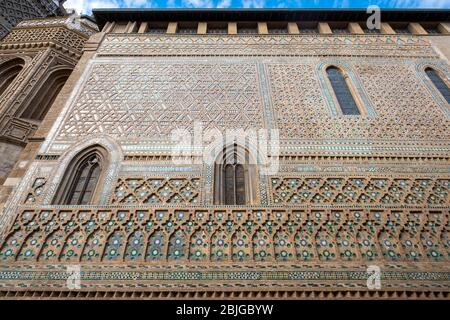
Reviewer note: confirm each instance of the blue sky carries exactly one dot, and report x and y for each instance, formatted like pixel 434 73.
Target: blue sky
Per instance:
pixel 85 6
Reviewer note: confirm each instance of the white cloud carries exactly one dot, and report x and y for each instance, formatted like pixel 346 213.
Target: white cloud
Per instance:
pixel 341 4
pixel 104 4
pixel 136 3
pixel 85 6
pixel 224 4
pixel 433 3
pixel 198 3
pixel 78 5
pixel 415 3
pixel 253 3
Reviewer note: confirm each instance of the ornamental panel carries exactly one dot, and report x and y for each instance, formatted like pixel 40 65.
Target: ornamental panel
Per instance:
pixel 161 235
pixel 360 190
pixel 132 100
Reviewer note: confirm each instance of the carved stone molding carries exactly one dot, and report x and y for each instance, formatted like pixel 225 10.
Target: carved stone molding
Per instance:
pixel 58 36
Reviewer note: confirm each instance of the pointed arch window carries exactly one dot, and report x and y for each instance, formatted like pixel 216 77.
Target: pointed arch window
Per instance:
pixel 439 83
pixel 80 182
pixel 8 72
pixel 342 91
pixel 234 177
pixel 46 95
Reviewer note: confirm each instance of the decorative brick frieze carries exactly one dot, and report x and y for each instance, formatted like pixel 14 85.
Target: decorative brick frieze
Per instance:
pixel 179 191
pixel 273 45
pixel 227 234
pixel 360 190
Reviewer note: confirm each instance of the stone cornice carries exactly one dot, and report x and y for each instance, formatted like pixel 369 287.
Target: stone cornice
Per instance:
pixel 38 46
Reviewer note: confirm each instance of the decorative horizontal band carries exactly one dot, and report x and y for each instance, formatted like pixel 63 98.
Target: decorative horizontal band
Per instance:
pixel 159 236
pixel 222 294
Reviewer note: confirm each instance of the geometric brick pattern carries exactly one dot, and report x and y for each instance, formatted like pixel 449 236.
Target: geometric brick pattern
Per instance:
pixel 156 191
pixel 403 106
pixel 221 235
pixel 152 99
pixel 360 190
pixel 60 34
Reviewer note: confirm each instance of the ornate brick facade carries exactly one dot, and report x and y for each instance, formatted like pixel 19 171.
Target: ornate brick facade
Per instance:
pixel 44 48
pixel 351 191
pixel 12 12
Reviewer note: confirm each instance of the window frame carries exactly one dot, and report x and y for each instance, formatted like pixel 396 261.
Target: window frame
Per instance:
pixel 250 173
pixel 436 95
pixel 443 78
pixel 63 193
pixel 44 96
pixel 7 78
pixel 353 91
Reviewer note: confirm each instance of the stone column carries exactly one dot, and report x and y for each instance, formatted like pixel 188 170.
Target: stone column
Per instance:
pixel 143 27
pixel 416 28
pixel 355 28
pixel 262 28
pixel 109 26
pixel 444 27
pixel 232 27
pixel 202 28
pixel 131 27
pixel 324 28
pixel 386 28
pixel 293 28
pixel 172 28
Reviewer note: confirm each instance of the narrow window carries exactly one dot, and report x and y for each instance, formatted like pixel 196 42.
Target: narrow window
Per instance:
pixel 401 28
pixel 234 184
pixel 234 177
pixel 432 28
pixel 229 184
pixel 439 83
pixel 239 176
pixel 217 28
pixel 367 30
pixel 82 177
pixel 339 28
pixel 277 28
pixel 247 28
pixel 157 27
pixel 342 91
pixel 46 95
pixel 187 28
pixel 308 27
pixel 8 72
pixel 84 182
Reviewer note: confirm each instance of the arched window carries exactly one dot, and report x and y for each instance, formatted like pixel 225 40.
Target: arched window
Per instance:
pixel 8 72
pixel 235 177
pixel 439 83
pixel 342 91
pixel 82 177
pixel 46 95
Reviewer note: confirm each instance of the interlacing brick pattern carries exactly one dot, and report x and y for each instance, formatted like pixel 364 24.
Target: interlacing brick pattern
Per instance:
pixel 156 190
pixel 221 235
pixel 359 190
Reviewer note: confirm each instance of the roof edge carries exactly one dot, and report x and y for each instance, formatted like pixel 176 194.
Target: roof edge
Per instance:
pixel 104 15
